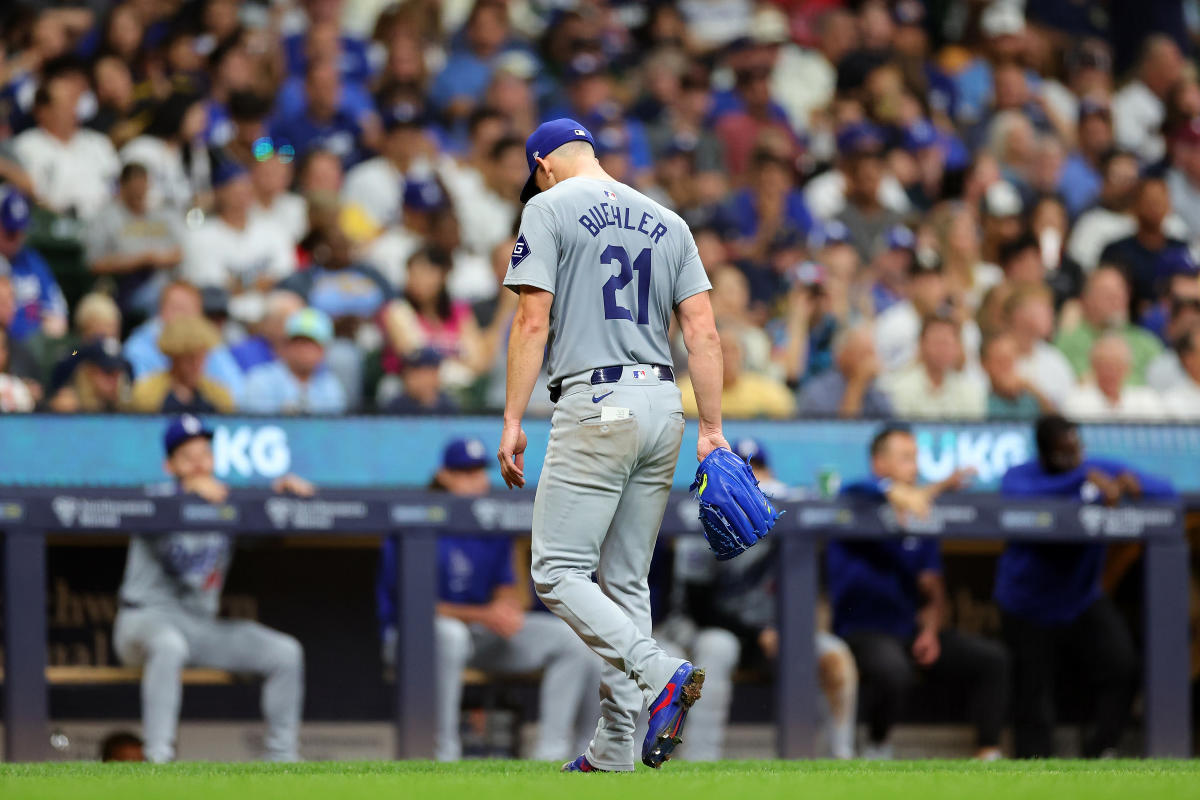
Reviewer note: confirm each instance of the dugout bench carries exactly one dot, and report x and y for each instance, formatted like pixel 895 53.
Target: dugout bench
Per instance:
pixel 417 518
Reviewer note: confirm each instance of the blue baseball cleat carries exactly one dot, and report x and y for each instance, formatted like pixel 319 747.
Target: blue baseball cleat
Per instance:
pixel 668 713
pixel 580 764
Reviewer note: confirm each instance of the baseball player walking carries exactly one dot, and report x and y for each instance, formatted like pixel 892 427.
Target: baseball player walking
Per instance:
pixel 599 267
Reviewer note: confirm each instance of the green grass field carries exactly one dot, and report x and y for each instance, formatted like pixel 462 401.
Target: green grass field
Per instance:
pixel 524 780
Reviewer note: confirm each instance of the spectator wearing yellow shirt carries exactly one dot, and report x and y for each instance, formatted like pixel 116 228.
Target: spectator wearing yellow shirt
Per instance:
pixel 744 395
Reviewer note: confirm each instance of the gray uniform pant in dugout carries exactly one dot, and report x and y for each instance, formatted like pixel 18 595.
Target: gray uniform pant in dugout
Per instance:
pixel 163 641
pixel 600 501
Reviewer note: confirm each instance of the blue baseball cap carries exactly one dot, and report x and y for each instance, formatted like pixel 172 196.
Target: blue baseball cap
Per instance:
pixel 548 137
pixel 183 429
pixel 424 195
pixel 14 210
pixel 860 138
pixel 832 231
pixel 225 172
pixel 751 451
pixel 919 135
pixel 899 237
pixel 309 323
pixel 424 357
pixel 1177 261
pixel 465 453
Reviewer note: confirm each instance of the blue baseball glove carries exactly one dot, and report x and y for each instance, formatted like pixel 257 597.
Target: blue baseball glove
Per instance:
pixel 734 511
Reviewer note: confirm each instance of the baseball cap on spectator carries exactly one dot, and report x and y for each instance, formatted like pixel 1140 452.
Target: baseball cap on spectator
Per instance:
pixel 584 65
pixel 926 261
pixel 106 354
pixel 919 135
pixel 517 63
pixel 751 451
pixel 548 137
pixel 683 143
pixel 423 357
pixel 1002 18
pixel 769 25
pixel 860 138
pixel 183 429
pixel 900 237
pixel 14 210
pixel 1090 54
pixel 424 195
pixel 611 140
pixel 908 12
pixel 309 323
pixel 402 115
pixel 831 232
pixel 1177 261
pixel 226 171
pixel 465 453
pixel 1091 106
pixel 808 274
pixel 1002 200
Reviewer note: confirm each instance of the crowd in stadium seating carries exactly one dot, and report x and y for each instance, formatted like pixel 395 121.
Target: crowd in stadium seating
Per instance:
pixel 968 209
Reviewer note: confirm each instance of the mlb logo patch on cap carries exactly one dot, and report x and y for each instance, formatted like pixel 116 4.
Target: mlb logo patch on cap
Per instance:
pixel 520 251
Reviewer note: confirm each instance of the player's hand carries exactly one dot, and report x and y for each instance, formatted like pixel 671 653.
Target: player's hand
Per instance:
pixel 504 618
pixel 768 642
pixel 1110 488
pixel 512 455
pixel 207 487
pixel 294 484
pixel 709 442
pixel 1129 484
pixel 910 501
pixel 926 648
pixel 959 479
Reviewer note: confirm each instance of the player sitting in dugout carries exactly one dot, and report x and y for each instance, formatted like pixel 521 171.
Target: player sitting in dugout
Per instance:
pixel 482 622
pixel 169 599
pixel 889 605
pixel 724 616
pixel 1054 609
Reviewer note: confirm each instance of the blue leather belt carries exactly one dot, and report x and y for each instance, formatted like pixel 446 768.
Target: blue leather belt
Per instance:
pixel 613 375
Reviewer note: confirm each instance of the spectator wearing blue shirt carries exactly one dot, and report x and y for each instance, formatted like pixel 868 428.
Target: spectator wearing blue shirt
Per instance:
pixel 481 622
pixel 851 389
pixel 1053 607
pixel 1080 181
pixel 771 210
pixel 269 335
pixel 468 70
pixel 323 123
pixel 180 299
pixel 39 301
pixel 298 381
pixel 889 605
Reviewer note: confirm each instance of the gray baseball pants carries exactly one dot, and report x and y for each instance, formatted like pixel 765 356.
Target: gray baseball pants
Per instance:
pixel 570 672
pixel 600 501
pixel 162 642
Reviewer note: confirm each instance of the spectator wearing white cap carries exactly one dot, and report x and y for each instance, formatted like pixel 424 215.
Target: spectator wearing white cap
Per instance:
pixel 1003 27
pixel 298 382
pixel 1110 219
pixel 1138 108
pixel 1108 396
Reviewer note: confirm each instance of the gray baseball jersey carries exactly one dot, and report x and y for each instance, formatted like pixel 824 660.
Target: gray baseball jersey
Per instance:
pixel 617 262
pixel 178 571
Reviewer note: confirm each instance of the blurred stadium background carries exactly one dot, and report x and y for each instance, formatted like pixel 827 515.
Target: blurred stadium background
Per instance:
pixel 290 218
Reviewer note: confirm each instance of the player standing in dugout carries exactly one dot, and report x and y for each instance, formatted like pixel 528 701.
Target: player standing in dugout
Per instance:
pixel 599 268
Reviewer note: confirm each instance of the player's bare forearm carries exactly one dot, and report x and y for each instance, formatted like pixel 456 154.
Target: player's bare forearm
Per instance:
pixel 933 613
pixel 526 344
pixel 704 358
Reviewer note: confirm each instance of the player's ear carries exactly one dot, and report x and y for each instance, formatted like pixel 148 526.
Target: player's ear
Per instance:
pixel 544 166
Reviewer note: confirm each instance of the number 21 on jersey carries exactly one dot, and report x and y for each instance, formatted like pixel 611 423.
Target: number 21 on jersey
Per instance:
pixel 613 309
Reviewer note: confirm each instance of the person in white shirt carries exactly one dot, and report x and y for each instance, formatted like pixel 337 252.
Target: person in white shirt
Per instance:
pixel 1107 398
pixel 1110 219
pixel 897 329
pixel 1138 108
pixel 1183 177
pixel 934 387
pixel 1183 399
pixel 73 169
pixel 377 184
pixel 1029 317
pixel 173 152
pixel 230 250
pixel 271 175
pixel 488 204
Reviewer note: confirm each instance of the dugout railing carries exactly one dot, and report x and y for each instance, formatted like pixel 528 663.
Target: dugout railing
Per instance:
pixel 416 518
